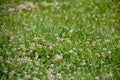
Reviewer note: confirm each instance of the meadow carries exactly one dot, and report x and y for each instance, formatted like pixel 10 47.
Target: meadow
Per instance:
pixel 59 40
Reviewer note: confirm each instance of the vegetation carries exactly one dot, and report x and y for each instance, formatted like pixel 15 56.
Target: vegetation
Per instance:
pixel 59 39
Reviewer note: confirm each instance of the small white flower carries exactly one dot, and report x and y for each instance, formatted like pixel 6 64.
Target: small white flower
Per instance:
pixel 109 52
pixel 51 47
pixel 36 56
pixel 40 46
pixel 52 65
pixel 50 71
pixel 83 62
pixel 35 78
pixel 32 46
pixel 5 70
pixel 109 75
pixel 71 51
pixel 104 49
pixel 71 31
pixel 36 38
pixel 27 77
pixel 58 57
pixel 59 76
pixel 98 55
pixel 97 78
pixel 23 47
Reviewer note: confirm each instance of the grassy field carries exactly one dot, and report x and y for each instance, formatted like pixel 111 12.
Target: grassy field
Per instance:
pixel 59 40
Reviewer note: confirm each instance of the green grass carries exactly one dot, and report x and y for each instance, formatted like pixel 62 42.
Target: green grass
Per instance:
pixel 60 40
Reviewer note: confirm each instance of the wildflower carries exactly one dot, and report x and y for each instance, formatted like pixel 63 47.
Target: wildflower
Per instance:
pixel 59 39
pixel 28 60
pixel 5 70
pixel 109 75
pixel 36 38
pixel 104 49
pixel 98 55
pixel 50 77
pixel 31 51
pixel 23 54
pixel 66 3
pixel 23 47
pixel 36 63
pixel 20 60
pixel 83 62
pixel 14 49
pixel 69 41
pixel 102 62
pixel 66 17
pixel 71 51
pixel 57 58
pixel 27 77
pixel 50 71
pixel 109 52
pixel 107 40
pixel 8 53
pixel 50 74
pixel 59 76
pixel 41 73
pixel 20 79
pixel 48 56
pixel 97 78
pixel 32 46
pixel 34 72
pixel 11 38
pixel 26 6
pixel 18 76
pixel 11 10
pixel 72 77
pixel 56 34
pixel 36 56
pixel 52 65
pixel 12 72
pixel 54 4
pixel 68 66
pixel 94 44
pixel 40 46
pixel 50 47
pixel 35 78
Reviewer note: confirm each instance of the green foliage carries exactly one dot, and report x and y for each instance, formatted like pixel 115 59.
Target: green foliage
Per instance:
pixel 60 40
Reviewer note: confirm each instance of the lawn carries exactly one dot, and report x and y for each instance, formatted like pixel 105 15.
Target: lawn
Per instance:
pixel 59 40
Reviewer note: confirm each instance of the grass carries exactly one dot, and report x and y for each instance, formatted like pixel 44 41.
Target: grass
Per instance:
pixel 60 40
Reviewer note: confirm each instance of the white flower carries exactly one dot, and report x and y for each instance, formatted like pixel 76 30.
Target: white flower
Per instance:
pixel 52 65
pixel 32 46
pixel 26 6
pixel 71 51
pixel 51 47
pixel 5 70
pixel 36 38
pixel 50 71
pixel 109 52
pixel 20 60
pixel 27 77
pixel 35 78
pixel 58 57
pixel 40 46
pixel 109 75
pixel 83 62
pixel 97 78
pixel 59 76
pixel 36 56
pixel 23 47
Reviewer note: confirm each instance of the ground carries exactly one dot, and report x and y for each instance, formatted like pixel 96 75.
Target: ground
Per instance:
pixel 59 39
